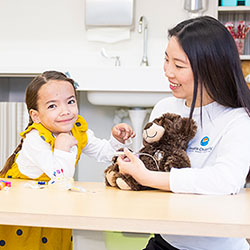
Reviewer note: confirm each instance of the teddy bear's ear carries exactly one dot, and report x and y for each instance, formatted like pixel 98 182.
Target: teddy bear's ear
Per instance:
pixel 171 116
pixel 187 127
pixel 165 119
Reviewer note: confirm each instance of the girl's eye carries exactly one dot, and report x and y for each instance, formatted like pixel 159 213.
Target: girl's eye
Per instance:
pixel 71 101
pixel 166 59
pixel 51 106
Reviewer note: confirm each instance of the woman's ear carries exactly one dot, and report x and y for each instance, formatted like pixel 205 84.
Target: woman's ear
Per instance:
pixel 34 116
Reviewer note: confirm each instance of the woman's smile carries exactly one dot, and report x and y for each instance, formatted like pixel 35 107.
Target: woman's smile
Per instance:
pixel 173 85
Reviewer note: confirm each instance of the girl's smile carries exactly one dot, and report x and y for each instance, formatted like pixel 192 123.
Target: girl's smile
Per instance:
pixel 66 120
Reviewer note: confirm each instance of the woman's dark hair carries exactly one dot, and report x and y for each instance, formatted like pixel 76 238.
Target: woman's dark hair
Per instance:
pixel 214 60
pixel 31 98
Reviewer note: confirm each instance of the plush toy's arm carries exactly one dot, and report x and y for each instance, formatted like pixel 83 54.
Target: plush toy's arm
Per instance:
pixel 178 159
pixel 110 175
pixel 189 128
pixel 116 179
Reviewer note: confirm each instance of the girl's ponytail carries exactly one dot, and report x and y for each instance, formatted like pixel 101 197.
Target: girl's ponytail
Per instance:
pixel 248 177
pixel 12 157
pixel 10 160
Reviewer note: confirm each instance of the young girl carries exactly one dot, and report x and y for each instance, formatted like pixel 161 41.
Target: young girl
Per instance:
pixel 54 139
pixel 203 67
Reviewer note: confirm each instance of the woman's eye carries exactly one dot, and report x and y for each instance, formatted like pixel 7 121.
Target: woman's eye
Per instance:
pixel 51 106
pixel 71 101
pixel 179 67
pixel 166 59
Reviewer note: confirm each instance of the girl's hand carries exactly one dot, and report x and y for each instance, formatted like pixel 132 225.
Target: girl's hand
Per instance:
pixel 130 164
pixel 65 142
pixel 122 132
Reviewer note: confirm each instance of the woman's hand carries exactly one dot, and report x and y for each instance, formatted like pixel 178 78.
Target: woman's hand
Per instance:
pixel 65 142
pixel 130 164
pixel 122 132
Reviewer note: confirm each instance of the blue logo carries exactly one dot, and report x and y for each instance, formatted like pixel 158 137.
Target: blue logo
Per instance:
pixel 204 141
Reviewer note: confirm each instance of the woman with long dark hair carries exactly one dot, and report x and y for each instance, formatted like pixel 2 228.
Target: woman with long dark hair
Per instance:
pixel 203 67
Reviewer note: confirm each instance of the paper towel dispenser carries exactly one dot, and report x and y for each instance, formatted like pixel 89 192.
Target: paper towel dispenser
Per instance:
pixel 109 13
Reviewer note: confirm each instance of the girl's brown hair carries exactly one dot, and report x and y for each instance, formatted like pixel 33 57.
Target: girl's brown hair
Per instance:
pixel 31 97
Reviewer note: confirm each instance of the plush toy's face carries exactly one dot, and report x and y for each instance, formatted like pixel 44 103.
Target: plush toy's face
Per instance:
pixel 153 132
pixel 167 128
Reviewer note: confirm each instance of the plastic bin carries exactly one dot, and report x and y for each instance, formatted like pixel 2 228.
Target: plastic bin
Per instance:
pixel 228 2
pixel 126 241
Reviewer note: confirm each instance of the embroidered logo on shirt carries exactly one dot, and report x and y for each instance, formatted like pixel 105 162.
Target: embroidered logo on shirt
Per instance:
pixel 202 147
pixel 204 141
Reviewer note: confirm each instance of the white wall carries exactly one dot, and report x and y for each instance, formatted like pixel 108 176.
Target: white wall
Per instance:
pixel 50 34
pixel 45 34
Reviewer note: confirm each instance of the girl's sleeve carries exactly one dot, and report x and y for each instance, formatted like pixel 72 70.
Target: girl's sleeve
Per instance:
pixel 36 158
pixel 101 149
pixel 228 173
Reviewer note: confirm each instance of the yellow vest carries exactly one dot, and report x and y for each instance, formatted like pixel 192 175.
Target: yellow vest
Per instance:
pixel 78 131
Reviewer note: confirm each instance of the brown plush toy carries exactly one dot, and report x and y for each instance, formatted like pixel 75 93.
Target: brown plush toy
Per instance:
pixel 165 142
